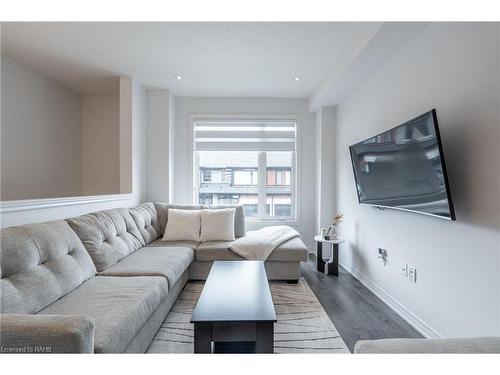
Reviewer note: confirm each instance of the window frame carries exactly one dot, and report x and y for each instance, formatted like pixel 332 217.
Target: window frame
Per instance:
pixel 262 177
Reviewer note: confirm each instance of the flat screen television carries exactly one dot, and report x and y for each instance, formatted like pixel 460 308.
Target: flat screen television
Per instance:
pixel 403 168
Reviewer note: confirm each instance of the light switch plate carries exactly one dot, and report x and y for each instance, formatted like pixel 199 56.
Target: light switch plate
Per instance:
pixel 404 269
pixel 412 274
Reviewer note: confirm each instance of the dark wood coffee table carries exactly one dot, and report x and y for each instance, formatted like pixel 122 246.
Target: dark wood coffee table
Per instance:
pixel 235 312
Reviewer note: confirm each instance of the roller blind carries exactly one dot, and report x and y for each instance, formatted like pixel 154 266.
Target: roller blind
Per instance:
pixel 245 135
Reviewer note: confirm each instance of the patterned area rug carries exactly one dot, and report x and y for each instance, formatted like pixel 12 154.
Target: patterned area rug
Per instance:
pixel 303 326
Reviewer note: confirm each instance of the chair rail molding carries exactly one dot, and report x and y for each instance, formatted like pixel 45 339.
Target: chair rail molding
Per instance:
pixel 38 204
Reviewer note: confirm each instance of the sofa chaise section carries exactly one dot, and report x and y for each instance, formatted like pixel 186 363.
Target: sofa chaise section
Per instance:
pixel 283 263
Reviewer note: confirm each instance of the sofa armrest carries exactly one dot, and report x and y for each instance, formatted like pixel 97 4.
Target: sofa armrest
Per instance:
pixel 28 333
pixel 427 346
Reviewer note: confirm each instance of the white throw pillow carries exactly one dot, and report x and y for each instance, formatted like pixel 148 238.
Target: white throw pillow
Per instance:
pixel 182 225
pixel 217 225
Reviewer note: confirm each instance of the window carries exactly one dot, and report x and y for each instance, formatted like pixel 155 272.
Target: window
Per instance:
pixel 240 186
pixel 278 177
pixel 247 162
pixel 206 175
pixel 245 177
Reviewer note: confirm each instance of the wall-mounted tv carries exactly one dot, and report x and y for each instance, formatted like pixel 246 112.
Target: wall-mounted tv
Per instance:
pixel 403 168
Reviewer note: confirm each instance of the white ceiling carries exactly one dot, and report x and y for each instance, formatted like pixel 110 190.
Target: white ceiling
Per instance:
pixel 214 59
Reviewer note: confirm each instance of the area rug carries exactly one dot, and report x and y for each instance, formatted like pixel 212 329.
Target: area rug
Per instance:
pixel 303 325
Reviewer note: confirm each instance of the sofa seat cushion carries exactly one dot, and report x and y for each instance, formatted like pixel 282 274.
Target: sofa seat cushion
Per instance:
pixel 108 236
pixel 292 250
pixel 215 250
pixel 40 263
pixel 169 262
pixel 161 243
pixel 119 306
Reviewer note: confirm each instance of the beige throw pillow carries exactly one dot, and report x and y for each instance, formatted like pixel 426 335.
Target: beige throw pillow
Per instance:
pixel 182 225
pixel 217 225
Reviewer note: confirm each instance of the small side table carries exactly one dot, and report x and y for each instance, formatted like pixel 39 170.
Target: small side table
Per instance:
pixel 332 265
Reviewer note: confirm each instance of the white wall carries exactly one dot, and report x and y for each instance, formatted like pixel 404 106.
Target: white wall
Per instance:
pixel 184 107
pixel 40 135
pixel 139 114
pixel 82 205
pixel 171 148
pixel 454 68
pixel 325 166
pixel 100 129
pixel 159 150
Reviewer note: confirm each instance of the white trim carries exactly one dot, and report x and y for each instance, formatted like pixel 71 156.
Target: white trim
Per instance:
pixel 297 170
pixel 262 185
pixel 38 204
pixel 416 322
pixel 271 221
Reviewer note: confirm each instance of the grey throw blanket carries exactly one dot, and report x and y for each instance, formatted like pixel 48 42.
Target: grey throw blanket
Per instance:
pixel 258 244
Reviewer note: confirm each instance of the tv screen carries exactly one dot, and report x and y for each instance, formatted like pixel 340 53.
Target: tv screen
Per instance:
pixel 404 168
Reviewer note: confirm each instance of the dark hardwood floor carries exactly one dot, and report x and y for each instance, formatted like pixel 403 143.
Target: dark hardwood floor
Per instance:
pixel 356 312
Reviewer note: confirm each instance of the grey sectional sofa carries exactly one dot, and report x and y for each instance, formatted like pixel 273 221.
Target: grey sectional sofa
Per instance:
pixel 104 282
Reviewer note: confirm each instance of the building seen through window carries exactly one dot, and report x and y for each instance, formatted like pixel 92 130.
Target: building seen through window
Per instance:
pixel 232 177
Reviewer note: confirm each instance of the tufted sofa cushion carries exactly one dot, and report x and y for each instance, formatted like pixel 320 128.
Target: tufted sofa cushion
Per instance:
pixel 108 236
pixel 40 263
pixel 147 222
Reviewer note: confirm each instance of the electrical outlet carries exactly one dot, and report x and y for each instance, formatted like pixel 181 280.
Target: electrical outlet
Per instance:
pixel 404 269
pixel 412 273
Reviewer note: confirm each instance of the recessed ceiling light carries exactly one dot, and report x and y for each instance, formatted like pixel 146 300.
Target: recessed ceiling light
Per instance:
pixel 296 78
pixel 178 77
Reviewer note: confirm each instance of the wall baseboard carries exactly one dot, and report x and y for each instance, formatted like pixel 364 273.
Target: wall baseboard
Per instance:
pixel 402 311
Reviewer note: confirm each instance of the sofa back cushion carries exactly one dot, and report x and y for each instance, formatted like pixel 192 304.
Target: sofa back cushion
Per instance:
pixel 40 263
pixel 146 219
pixel 108 236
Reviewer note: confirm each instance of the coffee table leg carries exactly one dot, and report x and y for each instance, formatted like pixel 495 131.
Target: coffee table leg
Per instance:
pixel 202 338
pixel 264 342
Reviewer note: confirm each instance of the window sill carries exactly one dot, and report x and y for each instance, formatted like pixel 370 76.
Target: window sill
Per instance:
pixel 291 222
